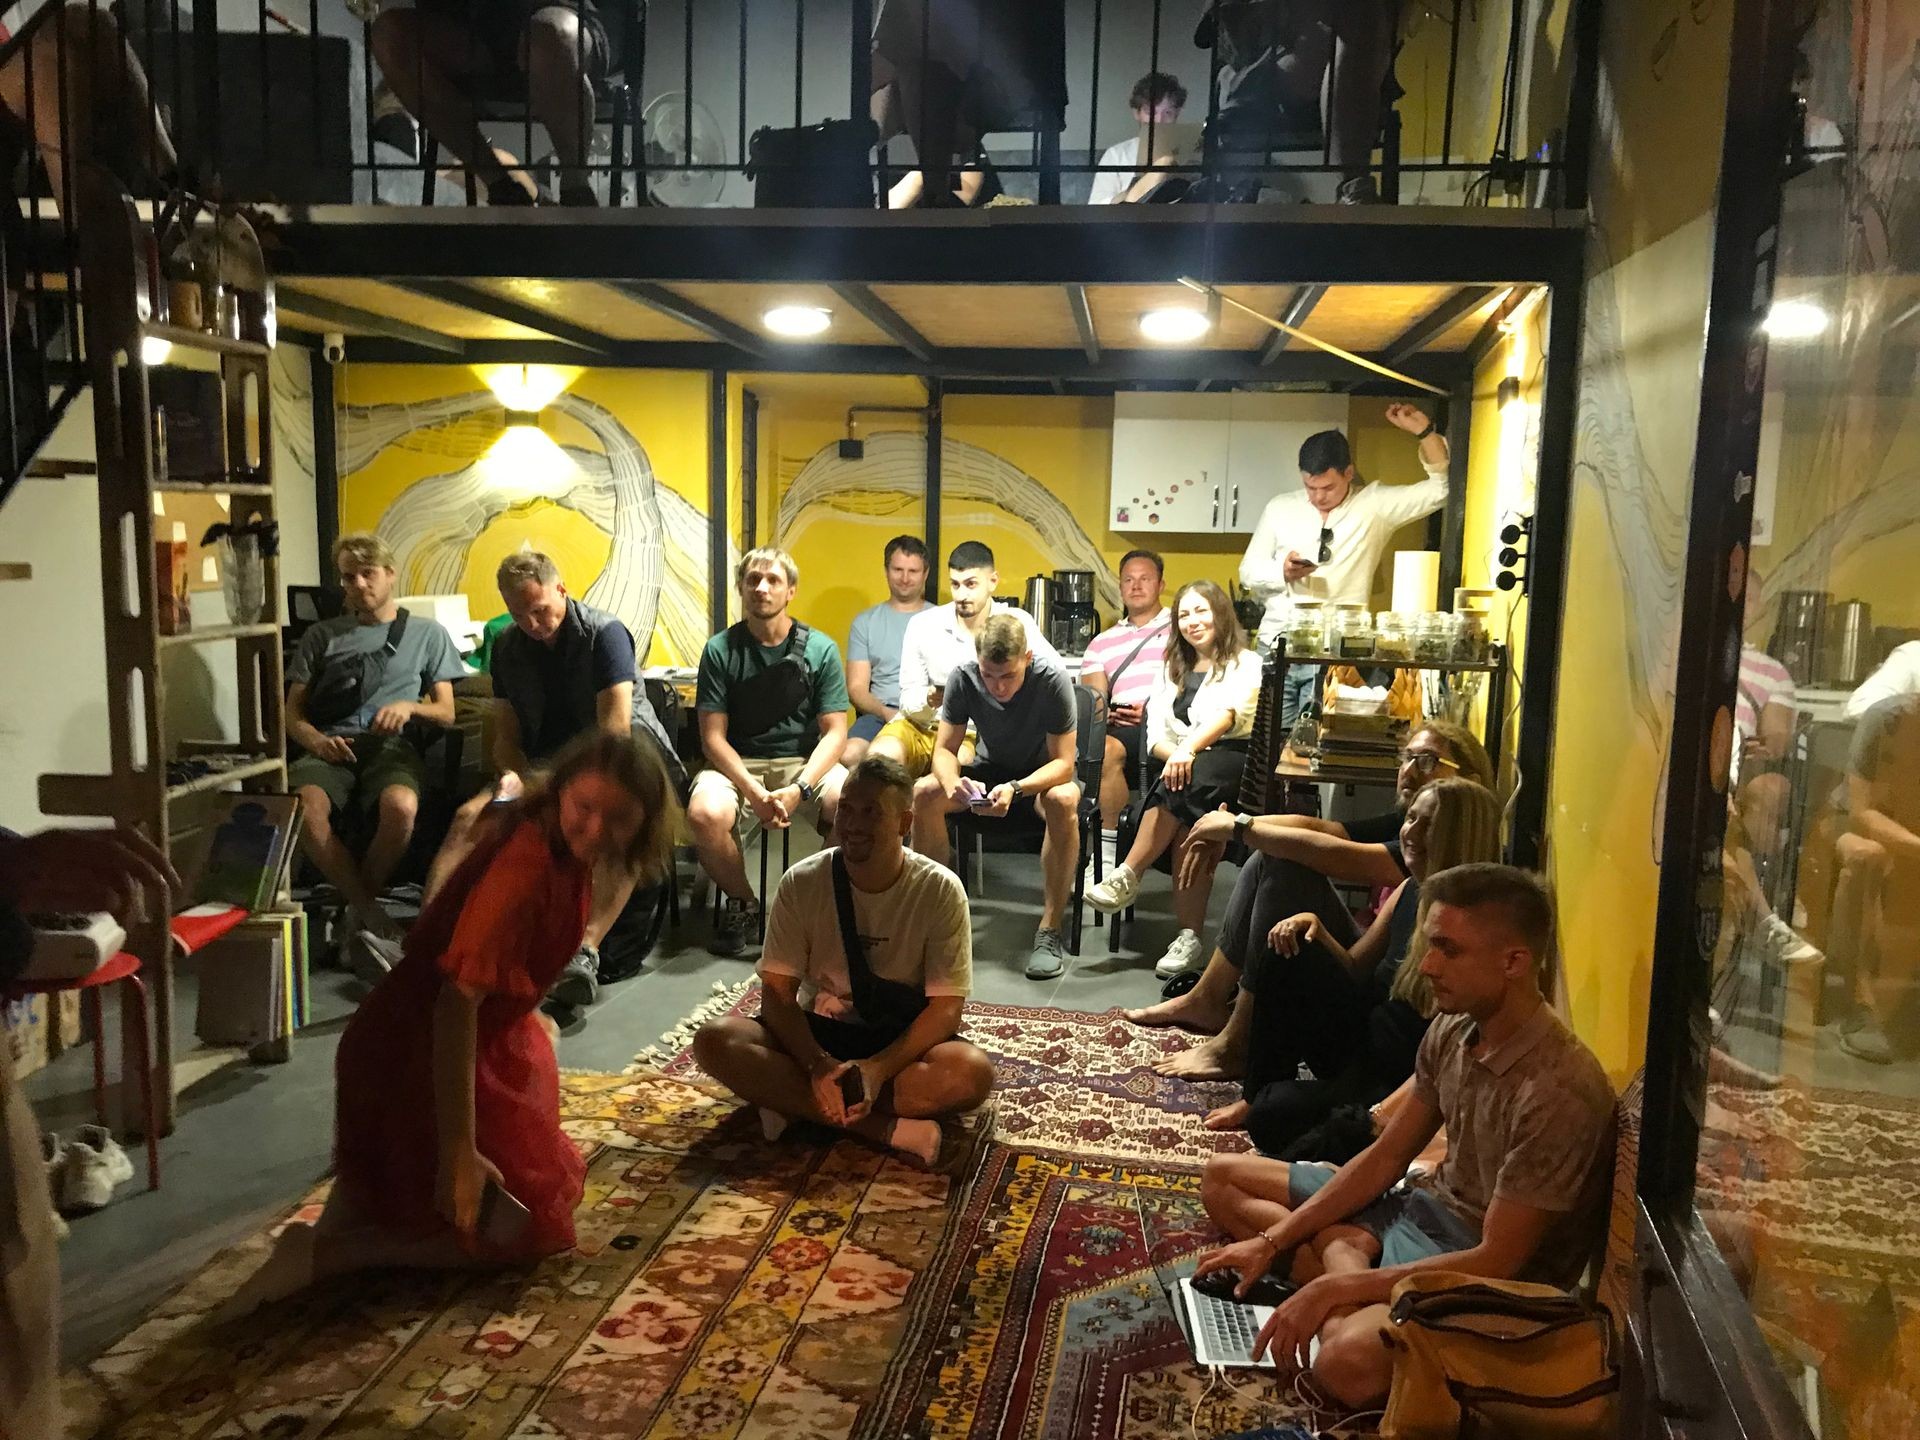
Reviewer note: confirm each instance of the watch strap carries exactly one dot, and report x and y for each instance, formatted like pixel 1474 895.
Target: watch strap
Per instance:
pixel 1431 427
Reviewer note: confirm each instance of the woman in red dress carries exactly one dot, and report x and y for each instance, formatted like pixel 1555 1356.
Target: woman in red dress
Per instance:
pixel 447 1076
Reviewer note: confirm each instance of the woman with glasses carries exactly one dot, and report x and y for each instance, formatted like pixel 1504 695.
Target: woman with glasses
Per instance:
pixel 1199 714
pixel 1300 860
pixel 1353 1014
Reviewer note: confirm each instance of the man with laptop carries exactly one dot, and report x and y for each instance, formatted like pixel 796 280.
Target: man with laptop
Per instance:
pixel 1156 103
pixel 1523 1189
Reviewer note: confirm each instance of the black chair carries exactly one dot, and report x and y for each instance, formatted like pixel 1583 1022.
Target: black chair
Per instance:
pixel 1021 835
pixel 786 850
pixel 1126 828
pixel 503 100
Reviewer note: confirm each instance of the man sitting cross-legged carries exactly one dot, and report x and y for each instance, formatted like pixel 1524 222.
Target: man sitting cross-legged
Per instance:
pixel 882 1003
pixel 1521 1194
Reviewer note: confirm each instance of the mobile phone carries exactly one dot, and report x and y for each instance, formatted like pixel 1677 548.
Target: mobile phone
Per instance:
pixel 503 1219
pixel 853 1088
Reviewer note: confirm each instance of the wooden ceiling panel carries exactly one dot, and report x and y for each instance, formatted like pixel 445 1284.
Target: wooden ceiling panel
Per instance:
pixel 745 304
pixel 592 307
pixel 1117 310
pixel 1363 318
pixel 1023 317
pixel 1462 332
pixel 383 299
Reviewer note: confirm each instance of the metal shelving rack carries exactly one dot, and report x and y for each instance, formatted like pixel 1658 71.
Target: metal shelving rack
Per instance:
pixel 115 244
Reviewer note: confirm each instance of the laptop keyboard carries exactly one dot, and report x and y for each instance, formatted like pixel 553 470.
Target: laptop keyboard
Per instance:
pixel 1228 1327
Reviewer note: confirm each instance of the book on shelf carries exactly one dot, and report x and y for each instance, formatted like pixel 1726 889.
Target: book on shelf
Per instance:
pixel 248 852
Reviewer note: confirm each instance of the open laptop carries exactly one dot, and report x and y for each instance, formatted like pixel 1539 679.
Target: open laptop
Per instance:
pixel 1172 142
pixel 1222 1332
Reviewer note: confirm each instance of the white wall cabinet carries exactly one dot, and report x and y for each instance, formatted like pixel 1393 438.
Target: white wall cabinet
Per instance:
pixel 1208 464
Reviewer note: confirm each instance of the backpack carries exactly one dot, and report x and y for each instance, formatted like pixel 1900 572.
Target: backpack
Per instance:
pixel 1477 1357
pixel 760 702
pixel 344 681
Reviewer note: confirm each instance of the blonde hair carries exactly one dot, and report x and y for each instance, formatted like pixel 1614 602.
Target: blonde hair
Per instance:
pixel 766 555
pixel 1002 638
pixel 365 549
pixel 526 566
pixel 1464 830
pixel 1463 748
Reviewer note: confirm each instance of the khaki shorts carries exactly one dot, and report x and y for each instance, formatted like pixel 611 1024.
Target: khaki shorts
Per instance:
pixel 775 775
pixel 917 745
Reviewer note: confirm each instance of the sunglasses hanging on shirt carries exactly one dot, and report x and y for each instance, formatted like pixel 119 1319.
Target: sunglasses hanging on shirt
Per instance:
pixel 1326 545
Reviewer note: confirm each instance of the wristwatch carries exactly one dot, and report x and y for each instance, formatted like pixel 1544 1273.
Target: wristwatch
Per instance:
pixel 1431 427
pixel 1014 785
pixel 1240 824
pixel 807 792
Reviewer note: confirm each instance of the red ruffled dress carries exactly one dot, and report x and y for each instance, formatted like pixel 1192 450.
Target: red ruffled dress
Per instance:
pixel 505 924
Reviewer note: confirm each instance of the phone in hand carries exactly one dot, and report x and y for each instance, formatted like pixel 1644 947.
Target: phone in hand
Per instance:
pixel 503 1219
pixel 853 1087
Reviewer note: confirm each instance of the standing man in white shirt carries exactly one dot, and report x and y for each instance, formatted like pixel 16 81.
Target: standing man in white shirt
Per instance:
pixel 1899 674
pixel 937 640
pixel 1325 541
pixel 1157 99
pixel 875 641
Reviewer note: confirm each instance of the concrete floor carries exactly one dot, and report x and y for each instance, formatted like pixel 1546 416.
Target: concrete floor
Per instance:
pixel 252 1139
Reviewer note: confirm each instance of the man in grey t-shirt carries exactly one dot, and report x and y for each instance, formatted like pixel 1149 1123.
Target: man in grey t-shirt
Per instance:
pixel 363 758
pixel 1023 714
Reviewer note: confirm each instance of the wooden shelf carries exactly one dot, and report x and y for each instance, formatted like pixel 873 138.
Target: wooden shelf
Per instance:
pixel 220 779
pixel 213 487
pixel 1374 662
pixel 201 340
pixel 219 632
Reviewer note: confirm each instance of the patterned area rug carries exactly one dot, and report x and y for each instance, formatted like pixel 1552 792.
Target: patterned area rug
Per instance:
pixel 723 1287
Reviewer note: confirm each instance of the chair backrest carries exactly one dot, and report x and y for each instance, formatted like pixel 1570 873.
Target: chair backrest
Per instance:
pixel 1090 738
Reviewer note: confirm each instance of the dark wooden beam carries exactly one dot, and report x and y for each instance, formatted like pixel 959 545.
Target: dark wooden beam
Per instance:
pixel 485 302
pixel 349 318
pixel 1083 322
pixel 1437 321
pixel 1489 335
pixel 1296 313
pixel 697 317
pixel 884 318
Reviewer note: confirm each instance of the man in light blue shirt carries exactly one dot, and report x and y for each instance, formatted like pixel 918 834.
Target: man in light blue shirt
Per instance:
pixel 874 644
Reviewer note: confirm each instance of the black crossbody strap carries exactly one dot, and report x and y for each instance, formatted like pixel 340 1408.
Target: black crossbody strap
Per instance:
pixel 395 631
pixel 887 1005
pixel 1113 679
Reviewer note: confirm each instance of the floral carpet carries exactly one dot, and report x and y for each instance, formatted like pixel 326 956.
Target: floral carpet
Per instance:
pixel 724 1287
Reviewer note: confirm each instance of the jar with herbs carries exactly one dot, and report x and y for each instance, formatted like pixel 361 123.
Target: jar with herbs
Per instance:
pixel 1392 637
pixel 1433 636
pixel 1306 632
pixel 1351 634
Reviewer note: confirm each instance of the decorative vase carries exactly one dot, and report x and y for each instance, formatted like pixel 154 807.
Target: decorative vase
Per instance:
pixel 243 579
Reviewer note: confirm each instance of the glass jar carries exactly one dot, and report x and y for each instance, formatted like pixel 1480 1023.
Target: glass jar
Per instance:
pixel 1470 640
pixel 1306 632
pixel 1392 637
pixel 1433 636
pixel 1351 634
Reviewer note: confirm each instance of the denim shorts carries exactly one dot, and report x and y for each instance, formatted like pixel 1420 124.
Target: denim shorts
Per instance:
pixel 1410 1223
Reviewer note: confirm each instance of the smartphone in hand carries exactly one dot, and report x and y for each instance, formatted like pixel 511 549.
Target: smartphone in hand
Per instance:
pixel 503 1219
pixel 853 1087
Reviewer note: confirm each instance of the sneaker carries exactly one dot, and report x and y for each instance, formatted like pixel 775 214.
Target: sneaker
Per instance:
pixel 1181 956
pixel 371 957
pixel 1863 1039
pixel 1786 947
pixel 95 1165
pixel 739 920
pixel 1116 892
pixel 1359 190
pixel 579 983
pixel 1049 956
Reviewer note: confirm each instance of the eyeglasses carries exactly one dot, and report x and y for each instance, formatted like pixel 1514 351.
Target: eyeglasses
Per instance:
pixel 1426 761
pixel 1326 545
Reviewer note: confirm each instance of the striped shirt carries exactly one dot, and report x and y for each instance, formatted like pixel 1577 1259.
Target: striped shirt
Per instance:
pixel 1111 647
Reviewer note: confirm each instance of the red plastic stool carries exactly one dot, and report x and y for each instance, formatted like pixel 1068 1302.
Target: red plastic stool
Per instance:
pixel 92 988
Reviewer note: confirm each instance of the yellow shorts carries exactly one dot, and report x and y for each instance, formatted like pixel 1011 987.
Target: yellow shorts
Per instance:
pixel 916 746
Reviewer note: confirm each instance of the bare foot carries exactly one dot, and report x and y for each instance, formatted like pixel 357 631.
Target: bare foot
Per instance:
pixel 918 1140
pixel 1208 1060
pixel 1229 1117
pixel 1186 1011
pixel 288 1270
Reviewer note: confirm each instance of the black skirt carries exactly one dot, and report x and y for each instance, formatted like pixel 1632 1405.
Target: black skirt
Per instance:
pixel 1214 781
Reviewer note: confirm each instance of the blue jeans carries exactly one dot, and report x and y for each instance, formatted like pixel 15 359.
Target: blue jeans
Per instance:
pixel 1410 1223
pixel 1300 686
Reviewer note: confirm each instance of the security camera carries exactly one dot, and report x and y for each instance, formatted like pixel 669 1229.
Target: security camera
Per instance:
pixel 334 346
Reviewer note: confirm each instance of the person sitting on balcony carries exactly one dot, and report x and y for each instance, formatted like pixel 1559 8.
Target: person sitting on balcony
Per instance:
pixel 1521 1194
pixel 1157 99
pixel 875 643
pixel 1198 719
pixel 431 52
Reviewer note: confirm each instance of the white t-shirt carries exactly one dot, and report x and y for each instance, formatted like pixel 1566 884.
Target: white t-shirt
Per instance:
pixel 916 931
pixel 935 643
pixel 1108 186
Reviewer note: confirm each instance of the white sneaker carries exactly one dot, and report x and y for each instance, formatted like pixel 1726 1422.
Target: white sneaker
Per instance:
pixel 1182 956
pixel 1116 892
pixel 53 1152
pixel 95 1165
pixel 1787 947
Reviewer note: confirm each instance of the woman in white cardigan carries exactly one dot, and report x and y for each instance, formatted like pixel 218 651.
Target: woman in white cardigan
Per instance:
pixel 1199 715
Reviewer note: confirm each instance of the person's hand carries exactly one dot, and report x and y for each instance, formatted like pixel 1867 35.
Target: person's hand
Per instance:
pixel 1199 857
pixel 1756 748
pixel 1126 715
pixel 787 800
pixel 961 790
pixel 870 1082
pixel 335 749
pixel 1249 1259
pixel 509 786
pixel 392 719
pixel 81 871
pixel 1289 1331
pixel 936 697
pixel 765 807
pixel 462 1180
pixel 1178 770
pixel 823 1078
pixel 999 800
pixel 1294 933
pixel 1213 828
pixel 1298 567
pixel 1410 418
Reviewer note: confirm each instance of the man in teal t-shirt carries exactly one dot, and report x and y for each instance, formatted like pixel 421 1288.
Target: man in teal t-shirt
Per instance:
pixel 772 701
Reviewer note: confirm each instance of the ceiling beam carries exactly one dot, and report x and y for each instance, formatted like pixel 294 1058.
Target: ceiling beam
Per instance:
pixel 1437 321
pixel 695 317
pixel 1489 335
pixel 499 307
pixel 1083 322
pixel 1296 313
pixel 884 318
pixel 350 318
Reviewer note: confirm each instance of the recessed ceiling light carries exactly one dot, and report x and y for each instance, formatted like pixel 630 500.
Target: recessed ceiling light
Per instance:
pixel 797 322
pixel 1174 327
pixel 1795 320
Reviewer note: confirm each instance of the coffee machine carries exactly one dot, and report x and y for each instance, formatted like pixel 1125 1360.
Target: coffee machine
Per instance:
pixel 1075 621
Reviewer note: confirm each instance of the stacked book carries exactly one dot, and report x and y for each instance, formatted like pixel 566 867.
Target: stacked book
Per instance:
pixel 1360 742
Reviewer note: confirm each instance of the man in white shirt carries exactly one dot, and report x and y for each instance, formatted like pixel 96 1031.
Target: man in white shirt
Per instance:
pixel 1899 674
pixel 1157 98
pixel 866 1043
pixel 936 641
pixel 1325 541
